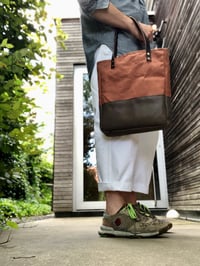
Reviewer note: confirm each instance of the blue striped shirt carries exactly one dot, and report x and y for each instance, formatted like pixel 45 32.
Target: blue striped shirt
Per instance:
pixel 95 33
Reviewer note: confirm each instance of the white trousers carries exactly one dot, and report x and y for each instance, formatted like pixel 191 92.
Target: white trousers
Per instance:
pixel 123 163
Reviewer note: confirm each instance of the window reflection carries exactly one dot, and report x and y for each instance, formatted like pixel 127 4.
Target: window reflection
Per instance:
pixel 89 157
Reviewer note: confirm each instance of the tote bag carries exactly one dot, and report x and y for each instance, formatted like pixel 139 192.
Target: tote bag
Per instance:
pixel 134 90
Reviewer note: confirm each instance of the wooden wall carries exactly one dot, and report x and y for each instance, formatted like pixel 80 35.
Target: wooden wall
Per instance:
pixel 63 147
pixel 182 138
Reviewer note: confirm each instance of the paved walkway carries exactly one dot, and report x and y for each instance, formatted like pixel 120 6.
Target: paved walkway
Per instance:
pixel 74 242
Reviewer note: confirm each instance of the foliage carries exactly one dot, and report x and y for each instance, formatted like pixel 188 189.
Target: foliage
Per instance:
pixel 15 187
pixel 25 174
pixel 23 44
pixel 10 209
pixel 88 119
pixel 7 212
pixel 27 209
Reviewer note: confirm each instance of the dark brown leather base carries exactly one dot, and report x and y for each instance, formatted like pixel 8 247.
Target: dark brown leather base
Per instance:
pixel 136 115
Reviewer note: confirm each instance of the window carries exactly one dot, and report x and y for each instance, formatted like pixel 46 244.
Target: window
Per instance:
pixel 86 195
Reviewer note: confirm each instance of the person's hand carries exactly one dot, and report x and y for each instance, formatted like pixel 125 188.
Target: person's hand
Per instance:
pixel 148 31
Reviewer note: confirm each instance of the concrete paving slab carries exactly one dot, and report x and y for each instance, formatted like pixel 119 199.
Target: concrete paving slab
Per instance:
pixel 75 242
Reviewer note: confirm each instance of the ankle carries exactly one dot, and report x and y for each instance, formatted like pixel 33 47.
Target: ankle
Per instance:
pixel 130 197
pixel 114 202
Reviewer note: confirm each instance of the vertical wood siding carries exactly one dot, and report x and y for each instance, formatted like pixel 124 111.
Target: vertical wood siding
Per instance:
pixel 182 138
pixel 63 144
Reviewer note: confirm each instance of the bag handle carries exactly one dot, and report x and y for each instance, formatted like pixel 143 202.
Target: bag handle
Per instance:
pixel 145 39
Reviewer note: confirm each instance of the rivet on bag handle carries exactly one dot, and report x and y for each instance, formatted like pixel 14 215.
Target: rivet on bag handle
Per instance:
pixel 145 39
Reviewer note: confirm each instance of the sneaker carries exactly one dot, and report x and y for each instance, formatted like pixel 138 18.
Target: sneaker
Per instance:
pixel 129 221
pixel 167 225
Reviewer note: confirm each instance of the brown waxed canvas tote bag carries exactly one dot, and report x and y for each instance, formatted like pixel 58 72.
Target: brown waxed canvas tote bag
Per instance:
pixel 134 90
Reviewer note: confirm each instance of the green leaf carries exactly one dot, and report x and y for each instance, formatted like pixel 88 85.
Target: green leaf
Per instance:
pixel 4 107
pixel 5 2
pixel 12 224
pixel 5 44
pixel 2 65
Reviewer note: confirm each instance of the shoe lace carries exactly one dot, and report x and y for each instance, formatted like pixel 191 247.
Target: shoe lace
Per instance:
pixel 144 210
pixel 131 211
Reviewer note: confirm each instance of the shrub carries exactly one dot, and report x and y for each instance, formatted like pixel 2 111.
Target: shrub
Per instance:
pixel 8 211
pixel 14 186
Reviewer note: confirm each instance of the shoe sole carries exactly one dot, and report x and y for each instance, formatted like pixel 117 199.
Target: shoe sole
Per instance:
pixel 106 231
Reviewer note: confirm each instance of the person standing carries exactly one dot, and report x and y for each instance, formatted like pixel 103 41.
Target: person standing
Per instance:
pixel 124 163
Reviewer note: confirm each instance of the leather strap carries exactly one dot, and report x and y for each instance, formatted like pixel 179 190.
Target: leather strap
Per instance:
pixel 145 39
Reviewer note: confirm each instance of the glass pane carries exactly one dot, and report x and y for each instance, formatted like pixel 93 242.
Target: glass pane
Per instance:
pixel 154 187
pixel 89 157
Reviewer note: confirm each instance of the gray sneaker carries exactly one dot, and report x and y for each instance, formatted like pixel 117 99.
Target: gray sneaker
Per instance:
pixel 167 225
pixel 131 222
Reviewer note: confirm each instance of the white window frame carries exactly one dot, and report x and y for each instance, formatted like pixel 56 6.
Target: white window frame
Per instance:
pixel 78 194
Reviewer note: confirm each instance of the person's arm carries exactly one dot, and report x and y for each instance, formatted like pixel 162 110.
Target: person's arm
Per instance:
pixel 106 12
pixel 115 18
